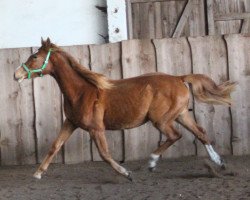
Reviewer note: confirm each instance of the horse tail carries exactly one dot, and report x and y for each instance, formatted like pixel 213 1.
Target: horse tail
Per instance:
pixel 207 91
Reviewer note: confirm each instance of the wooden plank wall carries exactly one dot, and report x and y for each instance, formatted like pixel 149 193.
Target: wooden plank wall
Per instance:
pixel 239 70
pixel 158 19
pixel 227 17
pixel 17 134
pixel 211 59
pixel 32 114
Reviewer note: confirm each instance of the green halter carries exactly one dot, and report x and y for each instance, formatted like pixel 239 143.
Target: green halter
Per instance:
pixel 39 70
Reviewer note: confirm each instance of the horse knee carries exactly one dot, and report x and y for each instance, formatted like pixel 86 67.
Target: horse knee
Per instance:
pixel 175 137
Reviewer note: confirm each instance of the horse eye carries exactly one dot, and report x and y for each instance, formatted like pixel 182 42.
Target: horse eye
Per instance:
pixel 34 56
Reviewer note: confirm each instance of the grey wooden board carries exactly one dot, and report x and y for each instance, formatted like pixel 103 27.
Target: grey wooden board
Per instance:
pixel 239 70
pixel 159 19
pixel 171 12
pixel 210 17
pixel 17 141
pixel 226 7
pixel 196 24
pixel 183 19
pixel 146 1
pixel 138 57
pixel 48 115
pixel 135 21
pixel 147 16
pixel 106 59
pixel 210 57
pixel 174 57
pixel 246 22
pixel 78 149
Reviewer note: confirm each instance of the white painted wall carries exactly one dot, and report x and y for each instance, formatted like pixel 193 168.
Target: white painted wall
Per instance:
pixel 66 22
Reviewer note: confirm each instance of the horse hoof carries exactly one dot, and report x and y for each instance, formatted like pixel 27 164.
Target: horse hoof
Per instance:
pixel 37 175
pixel 129 176
pixel 151 169
pixel 223 166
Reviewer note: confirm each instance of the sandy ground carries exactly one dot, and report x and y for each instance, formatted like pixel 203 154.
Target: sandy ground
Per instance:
pixel 185 178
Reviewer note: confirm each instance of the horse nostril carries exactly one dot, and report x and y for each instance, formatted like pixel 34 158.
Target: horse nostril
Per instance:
pixel 14 77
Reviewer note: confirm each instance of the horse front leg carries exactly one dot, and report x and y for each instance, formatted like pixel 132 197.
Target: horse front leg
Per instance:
pixel 102 146
pixel 65 132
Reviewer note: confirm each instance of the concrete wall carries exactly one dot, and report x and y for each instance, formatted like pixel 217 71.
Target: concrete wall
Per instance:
pixel 23 23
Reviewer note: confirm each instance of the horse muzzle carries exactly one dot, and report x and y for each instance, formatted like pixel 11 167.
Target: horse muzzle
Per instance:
pixel 20 74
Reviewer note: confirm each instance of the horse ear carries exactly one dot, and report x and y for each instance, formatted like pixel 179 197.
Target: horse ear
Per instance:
pixel 48 42
pixel 42 42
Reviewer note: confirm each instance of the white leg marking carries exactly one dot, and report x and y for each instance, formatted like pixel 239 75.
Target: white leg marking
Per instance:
pixel 213 155
pixel 123 171
pixel 37 175
pixel 153 160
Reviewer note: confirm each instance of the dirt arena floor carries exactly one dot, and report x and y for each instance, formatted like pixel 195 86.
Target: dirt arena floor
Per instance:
pixel 186 178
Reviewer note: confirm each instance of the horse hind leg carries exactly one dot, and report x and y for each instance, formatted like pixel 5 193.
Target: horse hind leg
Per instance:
pixel 172 136
pixel 187 121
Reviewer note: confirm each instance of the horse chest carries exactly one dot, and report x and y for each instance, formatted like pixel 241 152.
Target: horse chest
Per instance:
pixel 80 114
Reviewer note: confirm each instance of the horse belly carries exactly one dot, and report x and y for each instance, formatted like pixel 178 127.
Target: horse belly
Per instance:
pixel 124 120
pixel 129 111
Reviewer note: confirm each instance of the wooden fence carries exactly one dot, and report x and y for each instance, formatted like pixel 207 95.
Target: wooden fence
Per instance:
pixel 174 18
pixel 31 113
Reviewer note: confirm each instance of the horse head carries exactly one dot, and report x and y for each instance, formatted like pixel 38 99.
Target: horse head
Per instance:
pixel 38 64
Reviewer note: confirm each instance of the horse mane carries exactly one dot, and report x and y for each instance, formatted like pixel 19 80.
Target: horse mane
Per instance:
pixel 98 80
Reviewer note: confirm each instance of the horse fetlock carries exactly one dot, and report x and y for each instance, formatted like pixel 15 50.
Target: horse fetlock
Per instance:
pixel 214 156
pixel 123 171
pixel 38 174
pixel 129 176
pixel 153 162
pixel 126 173
pixel 151 169
pixel 223 164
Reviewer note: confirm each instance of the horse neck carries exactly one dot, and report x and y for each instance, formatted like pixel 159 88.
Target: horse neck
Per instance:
pixel 72 85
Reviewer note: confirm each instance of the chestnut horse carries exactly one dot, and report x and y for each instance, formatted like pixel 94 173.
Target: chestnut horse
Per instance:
pixel 95 103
